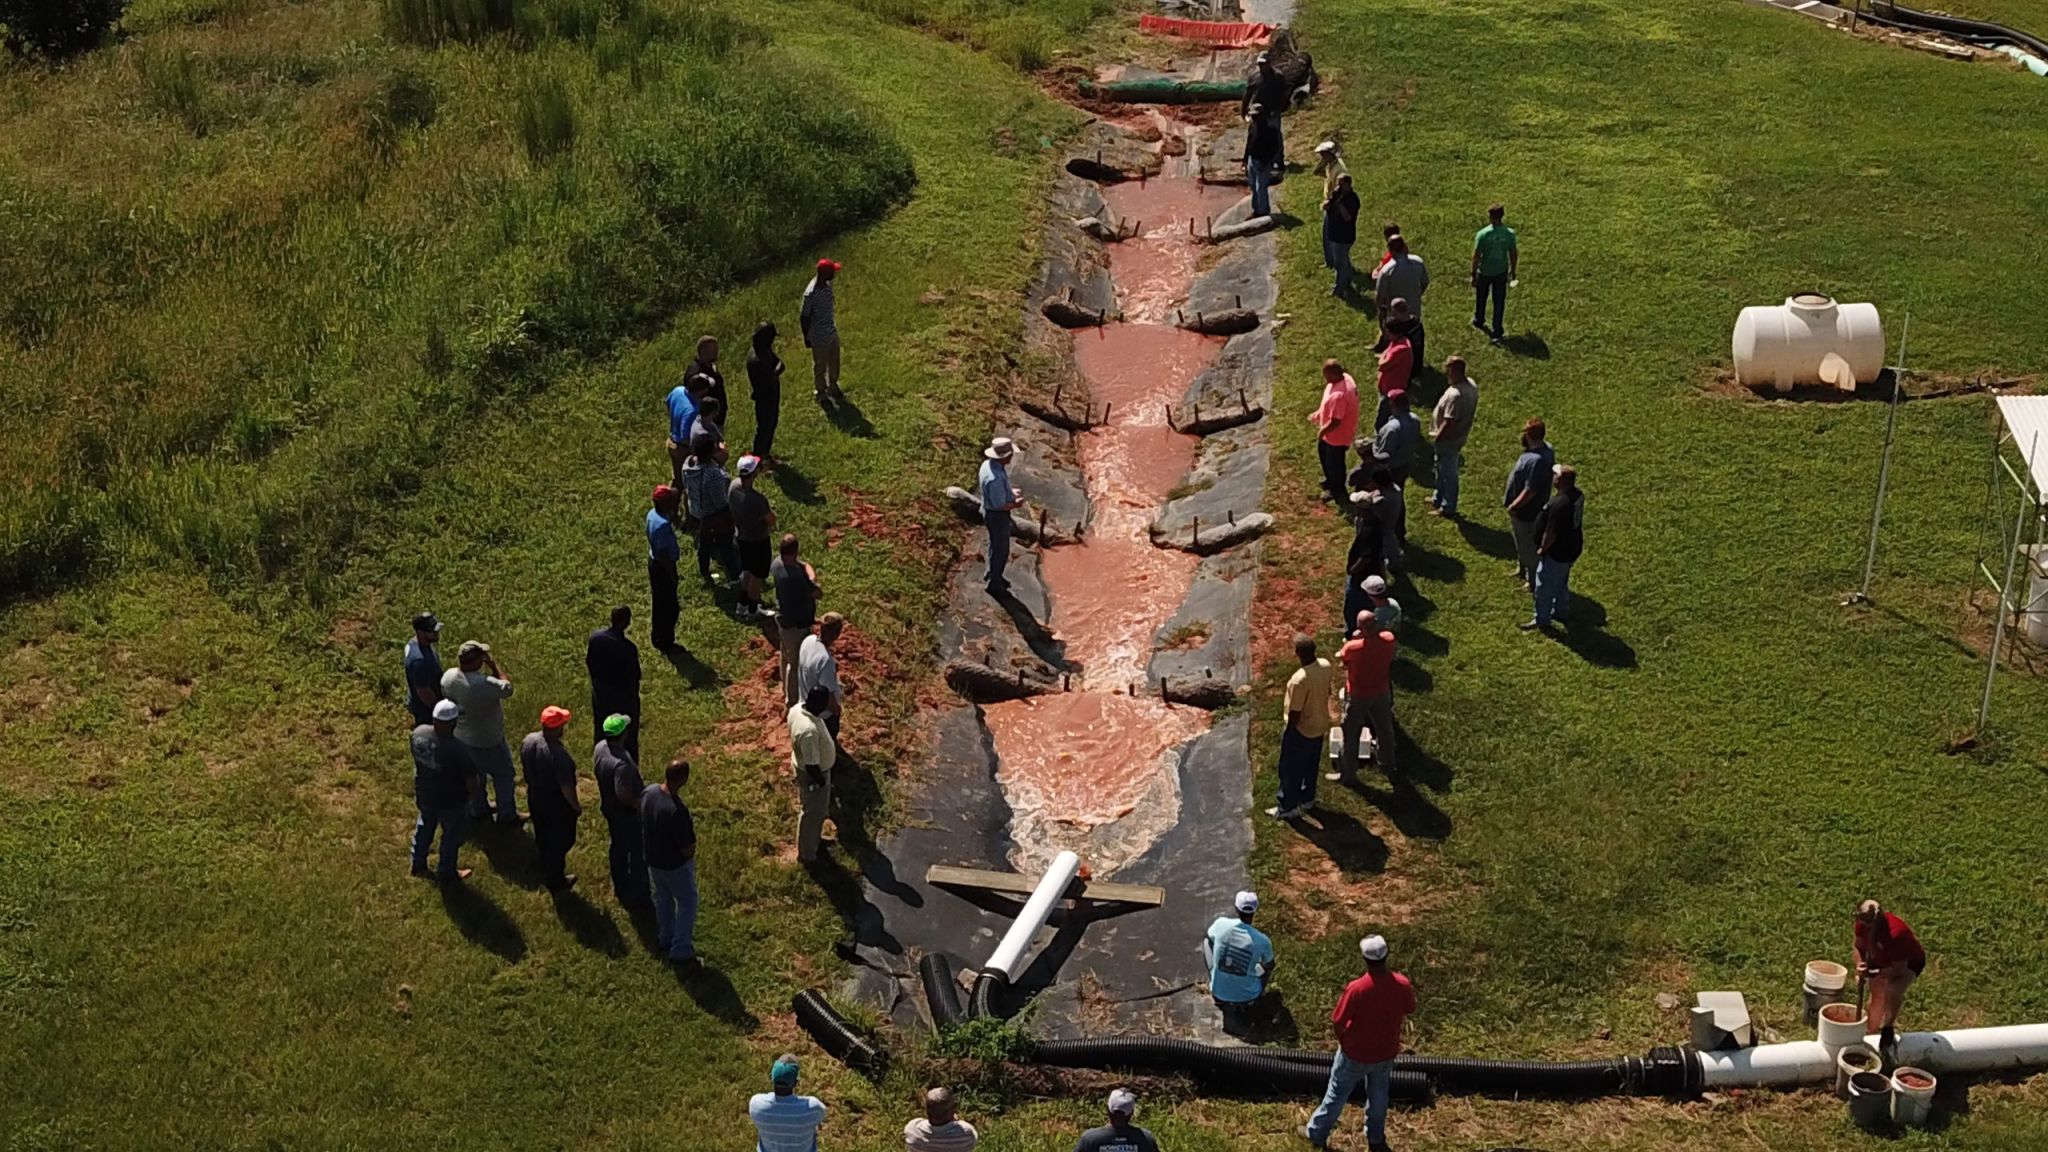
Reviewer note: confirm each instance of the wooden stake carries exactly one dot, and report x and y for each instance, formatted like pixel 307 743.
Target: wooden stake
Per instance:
pixel 1231 515
pixel 1242 402
pixel 1195 536
pixel 1041 527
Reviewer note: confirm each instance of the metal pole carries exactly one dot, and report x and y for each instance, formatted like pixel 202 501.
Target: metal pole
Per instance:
pixel 2012 556
pixel 1884 470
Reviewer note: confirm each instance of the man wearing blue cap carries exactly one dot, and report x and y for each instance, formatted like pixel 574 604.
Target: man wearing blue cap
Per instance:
pixel 783 1120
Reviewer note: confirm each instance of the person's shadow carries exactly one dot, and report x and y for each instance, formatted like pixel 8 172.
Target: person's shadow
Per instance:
pixel 1428 564
pixel 589 924
pixel 1266 1021
pixel 482 922
pixel 1585 633
pixel 1413 813
pixel 695 672
pixel 510 850
pixel 848 418
pixel 794 484
pixel 714 993
pixel 1349 844
pixel 1528 345
pixel 1041 642
pixel 1492 541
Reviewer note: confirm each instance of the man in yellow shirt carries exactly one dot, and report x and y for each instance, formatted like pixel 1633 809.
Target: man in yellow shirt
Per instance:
pixel 812 752
pixel 1308 724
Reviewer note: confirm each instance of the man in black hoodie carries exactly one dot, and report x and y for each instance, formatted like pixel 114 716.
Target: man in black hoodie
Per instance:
pixel 764 377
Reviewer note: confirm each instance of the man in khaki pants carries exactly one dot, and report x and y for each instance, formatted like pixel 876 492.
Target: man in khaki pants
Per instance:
pixel 812 752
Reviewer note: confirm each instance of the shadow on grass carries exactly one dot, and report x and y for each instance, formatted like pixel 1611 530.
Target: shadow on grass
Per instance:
pixel 794 484
pixel 1419 766
pixel 1527 344
pixel 713 992
pixel 848 418
pixel 589 924
pixel 1349 844
pixel 1265 1021
pixel 1409 676
pixel 1429 564
pixel 1414 814
pixel 482 922
pixel 1494 542
pixel 695 672
pixel 511 852
pixel 1585 633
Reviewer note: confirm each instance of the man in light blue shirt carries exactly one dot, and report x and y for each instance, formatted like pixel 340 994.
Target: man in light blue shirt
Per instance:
pixel 1240 960
pixel 997 500
pixel 1528 490
pixel 682 412
pixel 783 1120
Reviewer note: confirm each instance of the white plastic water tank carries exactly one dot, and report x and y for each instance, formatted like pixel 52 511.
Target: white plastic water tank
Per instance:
pixel 1809 339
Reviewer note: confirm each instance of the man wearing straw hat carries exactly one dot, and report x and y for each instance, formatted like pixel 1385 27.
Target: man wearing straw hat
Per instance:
pixel 1368 1019
pixel 551 796
pixel 998 500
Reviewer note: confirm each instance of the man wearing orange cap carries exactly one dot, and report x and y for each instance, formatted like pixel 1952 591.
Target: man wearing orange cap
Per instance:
pixel 664 552
pixel 820 325
pixel 551 796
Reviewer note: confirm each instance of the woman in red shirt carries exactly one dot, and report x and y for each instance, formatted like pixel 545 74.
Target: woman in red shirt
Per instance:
pixel 1891 958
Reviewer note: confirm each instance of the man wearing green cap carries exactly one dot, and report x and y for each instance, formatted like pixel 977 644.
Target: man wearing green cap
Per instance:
pixel 783 1120
pixel 619 787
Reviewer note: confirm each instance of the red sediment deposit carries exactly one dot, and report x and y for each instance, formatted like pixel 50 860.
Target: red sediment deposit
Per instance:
pixel 1916 1080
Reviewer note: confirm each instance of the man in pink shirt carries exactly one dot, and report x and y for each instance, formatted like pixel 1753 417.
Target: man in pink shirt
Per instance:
pixel 1336 421
pixel 1368 1020
pixel 1397 359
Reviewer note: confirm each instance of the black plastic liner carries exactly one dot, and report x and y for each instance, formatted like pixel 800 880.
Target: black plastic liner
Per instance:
pixel 832 1034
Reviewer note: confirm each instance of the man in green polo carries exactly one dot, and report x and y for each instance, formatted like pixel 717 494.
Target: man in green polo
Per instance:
pixel 1494 265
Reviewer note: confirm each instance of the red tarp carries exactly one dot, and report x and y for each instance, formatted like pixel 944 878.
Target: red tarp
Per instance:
pixel 1221 33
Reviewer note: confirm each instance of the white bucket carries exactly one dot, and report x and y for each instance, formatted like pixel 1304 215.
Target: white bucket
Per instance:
pixel 1826 976
pixel 1851 1060
pixel 1912 1096
pixel 1840 1025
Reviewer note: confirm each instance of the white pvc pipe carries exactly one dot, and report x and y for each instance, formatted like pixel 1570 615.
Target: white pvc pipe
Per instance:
pixel 1955 1051
pixel 1009 955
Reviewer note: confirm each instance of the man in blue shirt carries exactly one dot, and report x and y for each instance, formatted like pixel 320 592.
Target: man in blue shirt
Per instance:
pixel 663 554
pixel 423 668
pixel 783 1120
pixel 682 412
pixel 1528 490
pixel 1240 961
pixel 997 500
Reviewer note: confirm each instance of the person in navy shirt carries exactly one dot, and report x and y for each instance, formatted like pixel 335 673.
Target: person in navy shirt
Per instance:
pixel 423 668
pixel 663 554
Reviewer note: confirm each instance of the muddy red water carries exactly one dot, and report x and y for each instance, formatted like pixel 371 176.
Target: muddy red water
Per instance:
pixel 1095 769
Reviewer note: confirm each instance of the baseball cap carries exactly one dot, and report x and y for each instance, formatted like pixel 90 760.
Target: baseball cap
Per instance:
pixel 1123 1102
pixel 828 263
pixel 1375 586
pixel 749 465
pixel 426 622
pixel 617 723
pixel 446 710
pixel 1373 947
pixel 1000 448
pixel 553 716
pixel 472 648
pixel 1326 146
pixel 785 1070
pixel 1247 902
pixel 661 492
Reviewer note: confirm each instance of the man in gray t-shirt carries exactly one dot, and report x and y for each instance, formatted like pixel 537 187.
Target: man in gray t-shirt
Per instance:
pixel 479 687
pixel 753 522
pixel 1403 277
pixel 1449 426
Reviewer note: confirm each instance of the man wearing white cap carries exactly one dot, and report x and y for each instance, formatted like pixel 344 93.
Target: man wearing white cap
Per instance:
pixel 1368 1019
pixel 753 526
pixel 1119 1135
pixel 443 778
pixel 998 499
pixel 1240 960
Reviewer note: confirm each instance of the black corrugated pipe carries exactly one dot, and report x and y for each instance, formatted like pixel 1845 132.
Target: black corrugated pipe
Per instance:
pixel 1982 30
pixel 1628 1075
pixel 940 992
pixel 1238 1070
pixel 980 1001
pixel 832 1034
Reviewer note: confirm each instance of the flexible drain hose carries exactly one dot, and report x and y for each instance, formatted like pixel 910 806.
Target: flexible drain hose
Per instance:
pixel 1887 12
pixel 1566 1080
pixel 832 1034
pixel 1239 1071
pixel 940 992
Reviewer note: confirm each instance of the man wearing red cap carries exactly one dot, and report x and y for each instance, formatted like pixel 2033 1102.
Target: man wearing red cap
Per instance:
pixel 551 796
pixel 820 326
pixel 664 552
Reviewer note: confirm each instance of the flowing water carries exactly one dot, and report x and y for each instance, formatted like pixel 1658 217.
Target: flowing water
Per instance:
pixel 1095 769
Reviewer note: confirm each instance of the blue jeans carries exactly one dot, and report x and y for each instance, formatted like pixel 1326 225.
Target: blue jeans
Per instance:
pixel 1299 769
pixel 1340 259
pixel 451 820
pixel 494 763
pixel 1448 461
pixel 1260 175
pixel 675 909
pixel 628 856
pixel 1345 1073
pixel 1553 590
pixel 1000 528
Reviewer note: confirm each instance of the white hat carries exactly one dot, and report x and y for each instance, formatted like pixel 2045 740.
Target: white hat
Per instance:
pixel 1361 497
pixel 1374 585
pixel 1326 146
pixel 1374 948
pixel 1123 1102
pixel 446 710
pixel 1247 902
pixel 1000 448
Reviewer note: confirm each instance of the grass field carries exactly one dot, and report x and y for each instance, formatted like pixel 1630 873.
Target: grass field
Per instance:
pixel 206 936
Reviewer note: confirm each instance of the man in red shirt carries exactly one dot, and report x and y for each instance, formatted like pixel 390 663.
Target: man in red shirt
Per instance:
pixel 1397 359
pixel 1368 659
pixel 1368 1020
pixel 1890 957
pixel 1336 420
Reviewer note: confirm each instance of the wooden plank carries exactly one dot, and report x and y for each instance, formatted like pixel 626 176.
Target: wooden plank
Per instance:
pixel 1010 882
